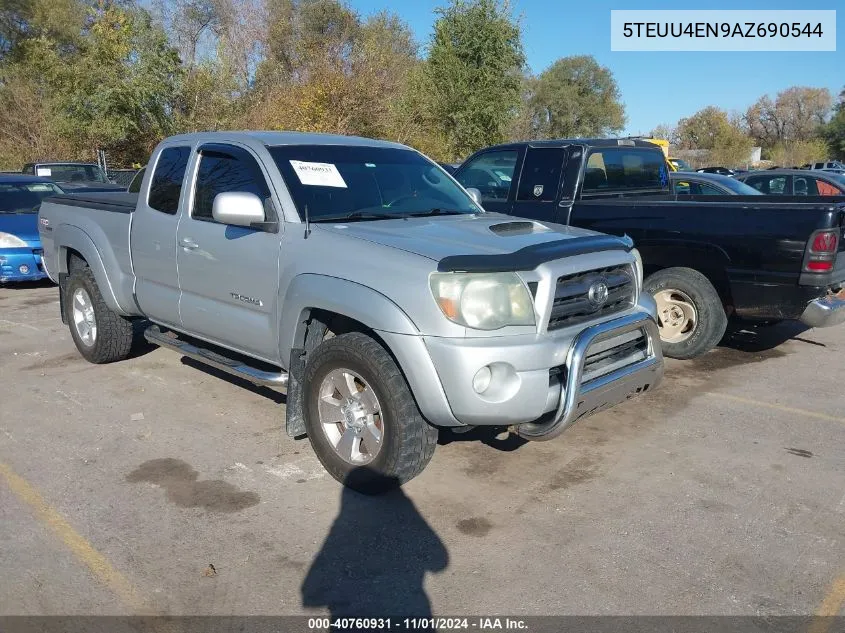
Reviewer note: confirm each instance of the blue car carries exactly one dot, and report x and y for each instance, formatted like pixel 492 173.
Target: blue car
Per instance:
pixel 20 246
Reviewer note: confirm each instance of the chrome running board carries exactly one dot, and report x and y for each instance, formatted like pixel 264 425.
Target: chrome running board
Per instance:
pixel 232 366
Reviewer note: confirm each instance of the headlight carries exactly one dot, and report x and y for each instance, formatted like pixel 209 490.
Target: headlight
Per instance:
pixel 483 301
pixel 7 240
pixel 639 267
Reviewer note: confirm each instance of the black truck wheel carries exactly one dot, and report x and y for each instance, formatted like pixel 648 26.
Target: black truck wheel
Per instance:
pixel 690 314
pixel 100 334
pixel 361 418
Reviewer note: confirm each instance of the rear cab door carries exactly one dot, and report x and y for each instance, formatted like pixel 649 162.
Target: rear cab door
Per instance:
pixel 539 183
pixel 494 173
pixel 153 233
pixel 229 275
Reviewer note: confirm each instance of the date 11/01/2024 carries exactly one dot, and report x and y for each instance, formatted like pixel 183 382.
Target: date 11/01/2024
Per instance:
pixel 411 624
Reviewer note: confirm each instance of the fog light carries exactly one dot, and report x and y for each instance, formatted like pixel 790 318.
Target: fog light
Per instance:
pixel 482 379
pixel 24 269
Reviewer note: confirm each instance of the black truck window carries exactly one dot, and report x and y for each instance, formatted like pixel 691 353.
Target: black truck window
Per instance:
pixel 166 185
pixel 220 173
pixel 491 173
pixel 540 176
pixel 616 169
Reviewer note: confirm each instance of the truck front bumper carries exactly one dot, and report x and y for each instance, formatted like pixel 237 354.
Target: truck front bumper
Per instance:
pixel 544 383
pixel 826 311
pixel 21 264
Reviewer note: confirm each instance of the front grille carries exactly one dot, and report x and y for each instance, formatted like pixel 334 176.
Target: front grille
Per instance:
pixel 614 353
pixel 573 305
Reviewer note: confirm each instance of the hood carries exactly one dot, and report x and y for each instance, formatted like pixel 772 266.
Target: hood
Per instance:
pixel 22 225
pixel 439 237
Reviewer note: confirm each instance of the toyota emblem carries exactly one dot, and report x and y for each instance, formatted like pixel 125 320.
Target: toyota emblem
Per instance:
pixel 597 294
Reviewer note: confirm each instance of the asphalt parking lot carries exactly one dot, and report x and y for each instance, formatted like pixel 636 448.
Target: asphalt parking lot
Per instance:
pixel 723 492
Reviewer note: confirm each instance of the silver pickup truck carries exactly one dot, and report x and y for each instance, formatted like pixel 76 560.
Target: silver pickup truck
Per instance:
pixel 363 279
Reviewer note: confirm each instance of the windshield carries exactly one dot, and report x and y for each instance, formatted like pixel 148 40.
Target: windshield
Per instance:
pixel 740 188
pixel 680 164
pixel 367 183
pixel 72 173
pixel 24 197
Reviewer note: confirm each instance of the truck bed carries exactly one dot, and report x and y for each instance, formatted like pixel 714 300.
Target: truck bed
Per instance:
pixel 97 226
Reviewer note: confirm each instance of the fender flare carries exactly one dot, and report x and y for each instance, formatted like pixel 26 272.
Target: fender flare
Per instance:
pixel 73 238
pixel 311 291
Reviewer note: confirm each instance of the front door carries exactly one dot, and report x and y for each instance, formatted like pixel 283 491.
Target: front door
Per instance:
pixel 229 275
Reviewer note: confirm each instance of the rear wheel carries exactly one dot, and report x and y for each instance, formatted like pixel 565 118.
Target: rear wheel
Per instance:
pixel 361 418
pixel 690 315
pixel 100 334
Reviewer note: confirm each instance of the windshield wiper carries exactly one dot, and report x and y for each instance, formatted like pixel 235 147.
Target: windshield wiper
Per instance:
pixel 436 211
pixel 357 216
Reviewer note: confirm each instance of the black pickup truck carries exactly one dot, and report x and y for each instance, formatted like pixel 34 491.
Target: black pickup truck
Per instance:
pixel 705 258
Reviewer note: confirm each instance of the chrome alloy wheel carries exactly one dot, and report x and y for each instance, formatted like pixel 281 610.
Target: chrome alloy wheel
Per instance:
pixel 350 416
pixel 84 319
pixel 676 315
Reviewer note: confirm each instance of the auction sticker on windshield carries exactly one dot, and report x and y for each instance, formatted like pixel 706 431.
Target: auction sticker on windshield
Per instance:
pixel 318 174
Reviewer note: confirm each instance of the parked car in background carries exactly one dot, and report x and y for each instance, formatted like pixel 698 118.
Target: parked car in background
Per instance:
pixel 795 182
pixel 20 245
pixel 705 259
pixel 73 176
pixel 680 164
pixel 833 165
pixel 703 184
pixel 359 275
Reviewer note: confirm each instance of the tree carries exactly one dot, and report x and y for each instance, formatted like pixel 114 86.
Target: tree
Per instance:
pixel 712 129
pixel 667 132
pixel 834 131
pixel 474 72
pixel 796 114
pixel 576 97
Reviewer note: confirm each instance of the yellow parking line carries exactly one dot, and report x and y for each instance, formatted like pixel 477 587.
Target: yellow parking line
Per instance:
pixel 75 542
pixel 830 607
pixel 779 407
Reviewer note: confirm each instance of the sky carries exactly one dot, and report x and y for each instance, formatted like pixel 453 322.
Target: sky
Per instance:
pixel 656 87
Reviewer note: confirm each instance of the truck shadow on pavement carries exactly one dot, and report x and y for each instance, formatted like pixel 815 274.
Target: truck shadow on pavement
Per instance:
pixel 374 560
pixel 267 392
pixel 744 337
pixel 492 436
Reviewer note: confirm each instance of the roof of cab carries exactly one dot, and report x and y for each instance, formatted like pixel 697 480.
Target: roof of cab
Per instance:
pixel 282 138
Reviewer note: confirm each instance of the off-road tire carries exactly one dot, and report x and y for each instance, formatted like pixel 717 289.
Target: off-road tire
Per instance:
pixel 408 440
pixel 711 318
pixel 114 332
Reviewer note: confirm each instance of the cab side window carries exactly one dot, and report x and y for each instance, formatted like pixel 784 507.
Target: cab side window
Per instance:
pixel 166 185
pixel 771 185
pixel 540 176
pixel 221 172
pixel 804 186
pixel 491 173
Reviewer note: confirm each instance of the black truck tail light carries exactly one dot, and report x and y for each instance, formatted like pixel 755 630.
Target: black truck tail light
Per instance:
pixel 822 251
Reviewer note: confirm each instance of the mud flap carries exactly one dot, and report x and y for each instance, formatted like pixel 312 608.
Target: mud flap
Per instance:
pixel 295 404
pixel 62 288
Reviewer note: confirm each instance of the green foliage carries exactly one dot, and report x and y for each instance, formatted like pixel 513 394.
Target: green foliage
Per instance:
pixel 576 97
pixel 712 129
pixel 474 72
pixel 834 131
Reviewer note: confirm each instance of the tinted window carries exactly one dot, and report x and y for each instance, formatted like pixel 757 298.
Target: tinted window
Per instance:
pixel 334 181
pixel 166 185
pixel 615 169
pixel 540 174
pixel 491 173
pixel 770 185
pixel 220 173
pixel 24 197
pixel 827 189
pixel 804 186
pixel 818 166
pixel 29 169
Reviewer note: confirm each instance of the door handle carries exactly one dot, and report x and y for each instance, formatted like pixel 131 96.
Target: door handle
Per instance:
pixel 188 244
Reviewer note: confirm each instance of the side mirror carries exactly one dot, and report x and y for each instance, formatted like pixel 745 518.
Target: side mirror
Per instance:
pixel 475 194
pixel 238 208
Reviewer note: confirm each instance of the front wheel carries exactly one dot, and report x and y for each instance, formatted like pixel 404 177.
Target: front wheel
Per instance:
pixel 361 418
pixel 690 315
